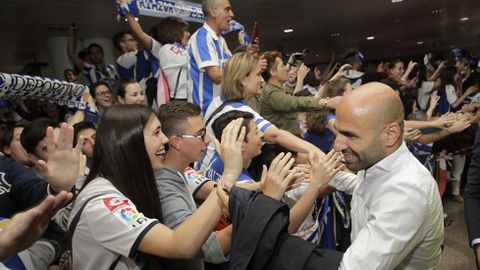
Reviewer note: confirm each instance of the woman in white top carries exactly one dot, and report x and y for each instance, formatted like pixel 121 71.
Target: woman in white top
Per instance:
pixel 170 50
pixel 117 212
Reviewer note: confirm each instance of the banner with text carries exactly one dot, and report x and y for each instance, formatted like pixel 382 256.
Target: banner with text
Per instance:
pixel 76 96
pixel 162 8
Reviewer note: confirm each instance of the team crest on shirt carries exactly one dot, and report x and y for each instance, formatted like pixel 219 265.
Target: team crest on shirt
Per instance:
pixel 122 209
pixel 4 185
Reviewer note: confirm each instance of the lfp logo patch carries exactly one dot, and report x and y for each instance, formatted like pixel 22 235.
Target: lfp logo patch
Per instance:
pixel 129 214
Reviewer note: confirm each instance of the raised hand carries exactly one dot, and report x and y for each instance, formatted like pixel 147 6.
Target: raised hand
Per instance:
pixel 254 47
pixel 62 168
pixel 26 228
pixel 342 72
pixel 324 168
pixel 446 120
pixel 302 72
pixel 262 63
pixel 411 135
pixel 230 151
pixel 434 100
pixel 411 65
pixel 275 180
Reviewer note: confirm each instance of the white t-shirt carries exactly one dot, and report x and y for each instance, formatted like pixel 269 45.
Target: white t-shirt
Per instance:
pixel 173 58
pixel 424 94
pixel 109 227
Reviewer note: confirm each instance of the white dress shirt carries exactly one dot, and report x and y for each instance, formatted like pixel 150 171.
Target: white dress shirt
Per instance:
pixel 397 216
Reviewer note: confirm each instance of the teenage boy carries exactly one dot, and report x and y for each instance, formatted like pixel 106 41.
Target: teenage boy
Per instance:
pixel 179 185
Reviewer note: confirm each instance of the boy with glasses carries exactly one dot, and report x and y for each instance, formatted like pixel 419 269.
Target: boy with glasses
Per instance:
pixel 179 185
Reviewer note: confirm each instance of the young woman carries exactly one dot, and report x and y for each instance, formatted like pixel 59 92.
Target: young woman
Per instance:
pixel 170 50
pixel 117 212
pixel 129 91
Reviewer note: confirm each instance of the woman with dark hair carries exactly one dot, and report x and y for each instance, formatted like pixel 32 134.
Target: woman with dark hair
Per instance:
pixel 115 218
pixel 170 50
pixel 128 91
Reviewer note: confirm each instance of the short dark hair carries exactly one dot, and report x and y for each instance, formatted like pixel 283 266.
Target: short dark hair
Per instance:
pixel 174 114
pixel 223 120
pixel 117 38
pixel 93 45
pixel 35 131
pixel 67 70
pixel 335 87
pixel 81 126
pixel 7 135
pixel 171 30
pixel 271 57
pixel 95 85
pixel 121 85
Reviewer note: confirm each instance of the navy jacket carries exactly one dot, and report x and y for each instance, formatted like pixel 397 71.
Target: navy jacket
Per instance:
pixel 20 188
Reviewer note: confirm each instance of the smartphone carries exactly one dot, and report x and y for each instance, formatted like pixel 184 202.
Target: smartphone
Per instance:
pixel 297 59
pixel 255 31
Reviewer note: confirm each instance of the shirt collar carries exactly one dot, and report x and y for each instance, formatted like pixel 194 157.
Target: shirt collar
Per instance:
pixel 211 32
pixel 392 161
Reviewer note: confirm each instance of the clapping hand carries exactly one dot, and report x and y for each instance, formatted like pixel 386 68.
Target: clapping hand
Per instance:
pixel 324 167
pixel 276 179
pixel 230 151
pixel 26 228
pixel 62 168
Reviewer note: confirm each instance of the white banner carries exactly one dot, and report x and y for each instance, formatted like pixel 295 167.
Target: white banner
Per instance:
pixel 76 96
pixel 162 8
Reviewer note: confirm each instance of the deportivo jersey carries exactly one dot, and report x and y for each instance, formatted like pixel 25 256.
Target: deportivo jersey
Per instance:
pixel 93 74
pixel 205 49
pixel 261 123
pixel 135 65
pixel 215 170
pixel 110 228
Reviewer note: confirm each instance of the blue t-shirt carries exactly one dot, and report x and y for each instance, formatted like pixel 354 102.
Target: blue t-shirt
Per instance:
pixel 215 170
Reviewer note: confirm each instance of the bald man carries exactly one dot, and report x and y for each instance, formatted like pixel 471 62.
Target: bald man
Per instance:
pixel 397 217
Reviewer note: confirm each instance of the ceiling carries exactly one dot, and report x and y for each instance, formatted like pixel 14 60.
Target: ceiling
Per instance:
pixel 397 27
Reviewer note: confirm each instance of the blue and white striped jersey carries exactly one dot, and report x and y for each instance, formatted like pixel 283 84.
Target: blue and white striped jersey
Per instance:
pixel 261 123
pixel 205 49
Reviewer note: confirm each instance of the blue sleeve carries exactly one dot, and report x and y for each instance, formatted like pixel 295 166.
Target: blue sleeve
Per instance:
pixel 125 72
pixel 202 46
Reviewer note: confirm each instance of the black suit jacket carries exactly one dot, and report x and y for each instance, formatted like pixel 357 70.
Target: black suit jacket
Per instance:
pixel 472 193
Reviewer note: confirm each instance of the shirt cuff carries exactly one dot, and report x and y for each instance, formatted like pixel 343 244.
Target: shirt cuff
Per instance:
pixel 475 241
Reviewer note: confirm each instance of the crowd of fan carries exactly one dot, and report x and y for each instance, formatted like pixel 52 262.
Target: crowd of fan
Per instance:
pixel 180 121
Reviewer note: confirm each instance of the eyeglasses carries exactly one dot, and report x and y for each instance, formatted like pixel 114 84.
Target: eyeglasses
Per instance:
pixel 201 135
pixel 104 93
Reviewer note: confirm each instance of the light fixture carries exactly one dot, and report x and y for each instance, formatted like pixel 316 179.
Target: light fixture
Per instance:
pixel 370 38
pixel 464 19
pixel 289 30
pixel 397 1
pixel 419 42
pixel 335 34
pixel 436 11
